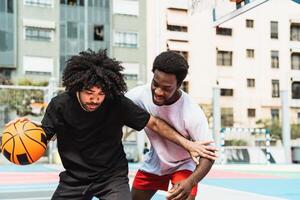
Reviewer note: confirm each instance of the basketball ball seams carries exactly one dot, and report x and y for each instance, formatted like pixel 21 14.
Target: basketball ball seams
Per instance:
pixel 34 140
pixel 7 133
pixel 13 151
pixel 2 146
pixel 34 129
pixel 28 154
pixel 16 129
pixel 8 141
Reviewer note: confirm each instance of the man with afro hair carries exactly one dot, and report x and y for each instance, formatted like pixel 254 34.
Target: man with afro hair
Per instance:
pixel 87 120
pixel 167 162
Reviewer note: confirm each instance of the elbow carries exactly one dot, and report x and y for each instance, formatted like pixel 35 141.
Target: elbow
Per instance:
pixel 153 123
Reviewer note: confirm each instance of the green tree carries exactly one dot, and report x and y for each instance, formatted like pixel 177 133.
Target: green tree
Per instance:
pixel 295 129
pixel 273 125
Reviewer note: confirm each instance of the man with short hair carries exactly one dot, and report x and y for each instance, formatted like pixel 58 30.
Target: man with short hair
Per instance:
pixel 167 161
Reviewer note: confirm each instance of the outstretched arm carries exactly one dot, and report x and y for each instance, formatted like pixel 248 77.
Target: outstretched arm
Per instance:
pixel 194 148
pixel 182 189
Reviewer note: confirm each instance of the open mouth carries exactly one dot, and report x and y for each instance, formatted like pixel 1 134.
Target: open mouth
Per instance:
pixel 92 107
pixel 157 98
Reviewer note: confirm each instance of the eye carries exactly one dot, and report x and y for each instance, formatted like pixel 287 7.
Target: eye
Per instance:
pixel 154 84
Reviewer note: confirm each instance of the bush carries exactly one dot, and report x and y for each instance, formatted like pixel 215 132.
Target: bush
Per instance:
pixel 236 143
pixel 295 129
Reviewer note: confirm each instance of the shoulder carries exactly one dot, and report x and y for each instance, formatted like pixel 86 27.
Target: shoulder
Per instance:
pixel 138 91
pixel 192 110
pixel 62 99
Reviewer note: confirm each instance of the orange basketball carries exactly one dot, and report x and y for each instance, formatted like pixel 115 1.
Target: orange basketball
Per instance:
pixel 23 143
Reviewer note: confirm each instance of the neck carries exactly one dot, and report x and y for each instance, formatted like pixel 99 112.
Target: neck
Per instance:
pixel 174 98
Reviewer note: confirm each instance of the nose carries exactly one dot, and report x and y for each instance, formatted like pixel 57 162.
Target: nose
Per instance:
pixel 158 92
pixel 95 100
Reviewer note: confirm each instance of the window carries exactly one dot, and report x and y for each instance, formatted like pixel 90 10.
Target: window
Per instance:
pixel 2 6
pixel 226 117
pixel 274 30
pixel 132 77
pixel 177 28
pixel 250 82
pixel 250 53
pixel 224 58
pixel 3 45
pixel 10 6
pixel 72 29
pixel 41 34
pixel 223 31
pixel 98 33
pixel 296 90
pixel 73 2
pixel 226 92
pixel 126 39
pixel 122 7
pixel 6 41
pixel 36 65
pixel 275 114
pixel 251 112
pixel 275 59
pixel 295 32
pixel 275 88
pixel 249 23
pixel 40 3
pixel 295 61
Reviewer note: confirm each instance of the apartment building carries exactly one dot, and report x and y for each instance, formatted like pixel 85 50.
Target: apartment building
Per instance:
pixel 251 58
pixel 39 36
pixel 37 44
pixel 7 38
pixel 83 24
pixel 129 39
pixel 168 29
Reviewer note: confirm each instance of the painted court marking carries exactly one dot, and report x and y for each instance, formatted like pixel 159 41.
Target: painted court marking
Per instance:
pixel 223 182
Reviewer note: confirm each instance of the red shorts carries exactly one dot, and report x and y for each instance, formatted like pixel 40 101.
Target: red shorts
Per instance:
pixel 147 181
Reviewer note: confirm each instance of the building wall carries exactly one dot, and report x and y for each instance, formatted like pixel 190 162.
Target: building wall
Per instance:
pixel 37 59
pixel 7 37
pixel 167 29
pixel 206 74
pixel 73 28
pixel 129 39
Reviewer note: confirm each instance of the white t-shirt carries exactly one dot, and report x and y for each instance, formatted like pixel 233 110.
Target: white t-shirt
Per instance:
pixel 166 157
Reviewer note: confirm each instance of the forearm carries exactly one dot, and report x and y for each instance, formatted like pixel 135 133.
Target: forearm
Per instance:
pixel 201 170
pixel 165 130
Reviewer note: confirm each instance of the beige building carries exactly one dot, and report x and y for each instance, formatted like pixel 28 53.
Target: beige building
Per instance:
pixel 167 29
pixel 251 58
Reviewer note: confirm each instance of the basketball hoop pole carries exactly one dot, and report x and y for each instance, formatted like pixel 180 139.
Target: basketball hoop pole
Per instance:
pixel 233 14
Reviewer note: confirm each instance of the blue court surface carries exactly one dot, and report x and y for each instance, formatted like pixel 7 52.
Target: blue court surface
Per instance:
pixel 240 182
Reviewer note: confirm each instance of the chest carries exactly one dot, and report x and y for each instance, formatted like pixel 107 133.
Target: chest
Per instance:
pixel 173 116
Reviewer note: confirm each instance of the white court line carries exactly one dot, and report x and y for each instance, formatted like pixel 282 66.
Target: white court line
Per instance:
pixel 31 198
pixel 208 192
pixel 26 190
pixel 214 192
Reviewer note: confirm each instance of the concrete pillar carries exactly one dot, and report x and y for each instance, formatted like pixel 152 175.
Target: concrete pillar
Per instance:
pixel 286 129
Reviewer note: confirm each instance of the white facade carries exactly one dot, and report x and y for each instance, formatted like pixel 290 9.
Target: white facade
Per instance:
pixel 162 16
pixel 250 74
pixel 205 73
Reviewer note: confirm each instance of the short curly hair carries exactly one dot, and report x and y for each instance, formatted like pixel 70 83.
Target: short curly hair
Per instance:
pixel 90 69
pixel 172 63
